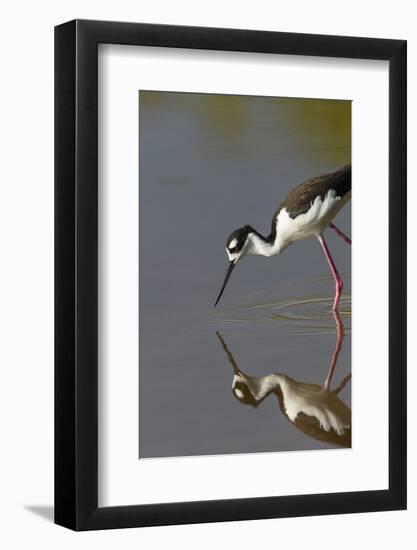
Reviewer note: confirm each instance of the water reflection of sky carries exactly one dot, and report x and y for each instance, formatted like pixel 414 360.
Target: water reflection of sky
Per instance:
pixel 210 164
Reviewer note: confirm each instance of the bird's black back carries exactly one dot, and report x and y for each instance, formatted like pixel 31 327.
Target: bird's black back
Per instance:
pixel 299 200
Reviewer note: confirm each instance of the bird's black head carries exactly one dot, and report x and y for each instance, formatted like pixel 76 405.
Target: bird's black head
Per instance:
pixel 242 392
pixel 236 249
pixel 236 242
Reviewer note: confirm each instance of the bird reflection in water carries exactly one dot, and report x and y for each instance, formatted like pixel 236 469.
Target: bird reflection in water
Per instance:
pixel 316 410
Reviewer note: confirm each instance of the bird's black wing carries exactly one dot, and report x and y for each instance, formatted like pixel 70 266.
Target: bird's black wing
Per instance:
pixel 299 200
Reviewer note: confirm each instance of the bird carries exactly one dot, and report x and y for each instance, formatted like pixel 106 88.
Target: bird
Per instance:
pixel 314 409
pixel 307 211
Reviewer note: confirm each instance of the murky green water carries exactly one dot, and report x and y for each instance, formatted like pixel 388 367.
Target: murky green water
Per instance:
pixel 208 165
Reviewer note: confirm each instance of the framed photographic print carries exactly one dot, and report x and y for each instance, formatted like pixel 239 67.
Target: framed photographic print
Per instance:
pixel 230 338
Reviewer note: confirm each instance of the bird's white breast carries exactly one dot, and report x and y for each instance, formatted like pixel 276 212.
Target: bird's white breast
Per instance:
pixel 315 402
pixel 313 222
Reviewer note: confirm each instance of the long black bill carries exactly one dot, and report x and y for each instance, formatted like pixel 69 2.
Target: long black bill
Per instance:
pixel 229 355
pixel 228 273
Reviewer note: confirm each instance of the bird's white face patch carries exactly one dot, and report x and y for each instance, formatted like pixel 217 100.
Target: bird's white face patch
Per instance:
pixel 233 243
pixel 239 393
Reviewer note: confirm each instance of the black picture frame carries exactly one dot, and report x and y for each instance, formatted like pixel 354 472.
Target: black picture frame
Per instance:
pixel 76 273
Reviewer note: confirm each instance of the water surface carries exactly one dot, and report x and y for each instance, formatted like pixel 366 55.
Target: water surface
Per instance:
pixel 208 165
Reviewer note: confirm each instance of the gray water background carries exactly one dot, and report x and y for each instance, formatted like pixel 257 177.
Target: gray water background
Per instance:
pixel 208 165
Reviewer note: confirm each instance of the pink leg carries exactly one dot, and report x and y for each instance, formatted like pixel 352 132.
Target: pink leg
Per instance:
pixel 342 384
pixel 335 356
pixel 340 233
pixel 337 279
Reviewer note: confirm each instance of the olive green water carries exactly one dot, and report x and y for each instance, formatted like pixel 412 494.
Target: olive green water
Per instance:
pixel 208 165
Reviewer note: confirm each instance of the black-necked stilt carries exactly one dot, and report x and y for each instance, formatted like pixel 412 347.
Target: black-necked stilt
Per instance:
pixel 306 212
pixel 315 410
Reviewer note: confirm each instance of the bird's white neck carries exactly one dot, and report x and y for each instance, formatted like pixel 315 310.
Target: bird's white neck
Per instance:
pixel 261 386
pixel 259 246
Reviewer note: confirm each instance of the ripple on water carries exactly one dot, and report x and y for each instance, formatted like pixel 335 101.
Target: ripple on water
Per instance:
pixel 299 313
